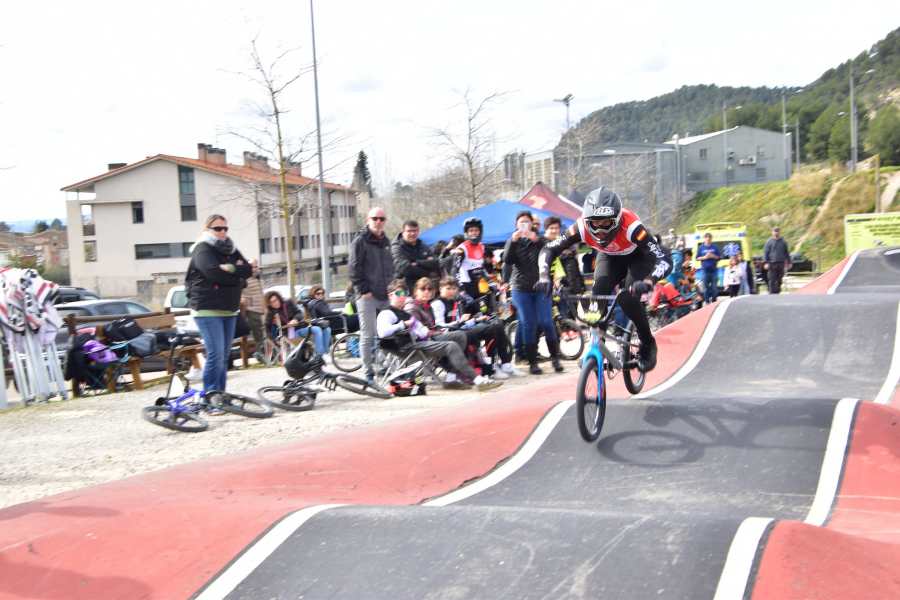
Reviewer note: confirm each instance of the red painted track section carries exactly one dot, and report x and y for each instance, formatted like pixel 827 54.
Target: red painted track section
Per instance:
pixel 164 534
pixel 857 554
pixel 820 284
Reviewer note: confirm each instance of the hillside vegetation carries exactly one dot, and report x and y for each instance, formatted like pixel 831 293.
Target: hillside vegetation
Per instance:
pixel 792 205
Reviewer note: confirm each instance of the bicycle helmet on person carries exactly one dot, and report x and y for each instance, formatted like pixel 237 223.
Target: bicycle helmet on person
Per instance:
pixel 302 361
pixel 602 214
pixel 473 222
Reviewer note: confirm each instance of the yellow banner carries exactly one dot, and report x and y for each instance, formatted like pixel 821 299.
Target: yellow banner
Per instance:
pixel 871 230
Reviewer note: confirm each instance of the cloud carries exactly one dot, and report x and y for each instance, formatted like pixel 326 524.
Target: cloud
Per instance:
pixel 364 85
pixel 654 64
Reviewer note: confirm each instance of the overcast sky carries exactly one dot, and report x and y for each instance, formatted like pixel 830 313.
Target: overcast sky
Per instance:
pixel 86 83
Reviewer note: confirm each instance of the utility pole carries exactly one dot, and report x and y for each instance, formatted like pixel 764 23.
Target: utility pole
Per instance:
pixel 725 141
pixel 853 150
pixel 567 100
pixel 324 211
pixel 797 141
pixel 785 149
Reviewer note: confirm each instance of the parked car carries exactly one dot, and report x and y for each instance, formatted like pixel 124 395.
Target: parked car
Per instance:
pixel 801 264
pixel 90 308
pixel 177 299
pixel 68 293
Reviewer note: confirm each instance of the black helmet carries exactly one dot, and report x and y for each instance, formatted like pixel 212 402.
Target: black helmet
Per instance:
pixel 302 360
pixel 473 222
pixel 602 214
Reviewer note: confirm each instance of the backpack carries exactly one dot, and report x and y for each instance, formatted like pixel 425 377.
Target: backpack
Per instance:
pixel 122 330
pixel 143 345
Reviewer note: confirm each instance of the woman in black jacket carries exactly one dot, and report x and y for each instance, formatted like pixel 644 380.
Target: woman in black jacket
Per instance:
pixel 319 308
pixel 214 280
pixel 533 309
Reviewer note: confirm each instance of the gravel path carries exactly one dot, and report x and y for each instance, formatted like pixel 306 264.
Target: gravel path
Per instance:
pixel 66 445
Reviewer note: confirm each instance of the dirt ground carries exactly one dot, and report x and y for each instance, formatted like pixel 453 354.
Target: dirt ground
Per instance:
pixel 65 445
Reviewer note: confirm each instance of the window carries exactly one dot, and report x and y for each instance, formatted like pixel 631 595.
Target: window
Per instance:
pixel 175 250
pixel 137 212
pixel 87 219
pixel 263 245
pixel 761 151
pixel 90 251
pixel 703 153
pixel 186 196
pixel 760 173
pixel 133 308
pixel 180 299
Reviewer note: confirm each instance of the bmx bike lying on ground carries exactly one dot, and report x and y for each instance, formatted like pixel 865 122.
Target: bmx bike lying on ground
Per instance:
pixel 309 377
pixel 601 363
pixel 182 412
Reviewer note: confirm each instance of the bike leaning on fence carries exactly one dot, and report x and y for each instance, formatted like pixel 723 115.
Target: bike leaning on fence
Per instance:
pixel 182 412
pixel 601 364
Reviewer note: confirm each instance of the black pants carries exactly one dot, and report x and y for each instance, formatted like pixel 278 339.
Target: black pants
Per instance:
pixel 776 274
pixel 493 333
pixel 623 270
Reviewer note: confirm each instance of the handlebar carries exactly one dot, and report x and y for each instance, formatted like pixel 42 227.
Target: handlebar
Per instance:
pixel 593 318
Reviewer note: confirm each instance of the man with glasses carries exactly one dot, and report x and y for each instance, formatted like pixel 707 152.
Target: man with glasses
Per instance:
pixel 627 255
pixel 371 270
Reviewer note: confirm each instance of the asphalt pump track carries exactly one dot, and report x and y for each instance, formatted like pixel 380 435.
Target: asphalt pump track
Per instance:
pixel 765 465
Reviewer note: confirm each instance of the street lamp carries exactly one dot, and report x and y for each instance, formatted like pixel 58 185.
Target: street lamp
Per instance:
pixel 567 100
pixel 784 145
pixel 854 151
pixel 324 238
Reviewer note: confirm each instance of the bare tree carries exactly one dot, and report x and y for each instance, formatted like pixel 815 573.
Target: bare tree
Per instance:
pixel 470 149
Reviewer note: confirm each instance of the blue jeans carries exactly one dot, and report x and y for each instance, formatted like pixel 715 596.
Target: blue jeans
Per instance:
pixel 710 285
pixel 321 338
pixel 217 334
pixel 533 309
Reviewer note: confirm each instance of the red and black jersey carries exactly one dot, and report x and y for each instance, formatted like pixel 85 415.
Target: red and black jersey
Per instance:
pixel 631 232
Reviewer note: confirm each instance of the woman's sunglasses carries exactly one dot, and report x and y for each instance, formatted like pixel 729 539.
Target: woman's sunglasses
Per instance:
pixel 398 293
pixel 219 228
pixel 378 218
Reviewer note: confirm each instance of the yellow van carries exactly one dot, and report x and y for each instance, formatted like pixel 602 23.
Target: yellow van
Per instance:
pixel 729 237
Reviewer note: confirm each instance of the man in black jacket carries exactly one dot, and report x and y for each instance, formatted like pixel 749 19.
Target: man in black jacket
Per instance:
pixel 413 259
pixel 371 270
pixel 777 260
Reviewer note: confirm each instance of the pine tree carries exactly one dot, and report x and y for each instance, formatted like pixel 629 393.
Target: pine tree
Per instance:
pixel 362 178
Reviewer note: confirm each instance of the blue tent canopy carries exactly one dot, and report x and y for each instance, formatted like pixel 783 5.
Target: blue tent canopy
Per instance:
pixel 499 221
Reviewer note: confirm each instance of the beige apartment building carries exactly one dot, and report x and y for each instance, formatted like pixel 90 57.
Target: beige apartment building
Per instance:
pixel 131 228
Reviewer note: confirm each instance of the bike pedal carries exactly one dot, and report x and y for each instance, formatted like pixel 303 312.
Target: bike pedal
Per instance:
pixel 160 402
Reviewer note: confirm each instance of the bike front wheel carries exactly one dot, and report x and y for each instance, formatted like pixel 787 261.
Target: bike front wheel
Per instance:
pixel 590 400
pixel 237 404
pixel 290 397
pixel 345 352
pixel 361 386
pixel 183 421
pixel 631 374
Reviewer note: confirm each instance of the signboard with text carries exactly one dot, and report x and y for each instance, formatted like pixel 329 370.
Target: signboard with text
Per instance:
pixel 872 230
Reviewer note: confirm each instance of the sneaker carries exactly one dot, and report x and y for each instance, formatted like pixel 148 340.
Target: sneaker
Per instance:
pixel 326 358
pixel 370 378
pixel 449 377
pixel 486 383
pixel 500 374
pixel 534 369
pixel 194 374
pixel 557 366
pixel 647 356
pixel 510 370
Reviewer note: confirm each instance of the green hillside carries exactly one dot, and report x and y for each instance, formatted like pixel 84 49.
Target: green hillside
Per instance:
pixel 694 109
pixel 793 205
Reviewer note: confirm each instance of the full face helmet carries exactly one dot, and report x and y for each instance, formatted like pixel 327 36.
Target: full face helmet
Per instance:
pixel 602 214
pixel 302 361
pixel 473 222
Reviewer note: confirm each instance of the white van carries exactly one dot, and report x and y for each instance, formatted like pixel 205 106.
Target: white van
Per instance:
pixel 177 299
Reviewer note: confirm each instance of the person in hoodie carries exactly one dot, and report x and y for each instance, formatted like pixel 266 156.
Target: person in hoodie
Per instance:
pixel 371 270
pixel 215 277
pixel 413 259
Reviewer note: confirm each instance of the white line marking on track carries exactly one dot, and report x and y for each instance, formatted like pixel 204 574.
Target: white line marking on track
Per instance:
pixel 515 462
pixel 229 579
pixel 892 252
pixel 847 267
pixel 886 393
pixel 739 562
pixel 832 462
pixel 702 346
pixel 225 583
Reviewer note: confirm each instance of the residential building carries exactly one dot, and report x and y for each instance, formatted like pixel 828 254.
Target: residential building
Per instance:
pixel 46 249
pixel 133 226
pixel 539 166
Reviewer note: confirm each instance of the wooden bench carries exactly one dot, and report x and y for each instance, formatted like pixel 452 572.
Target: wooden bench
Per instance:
pixel 148 322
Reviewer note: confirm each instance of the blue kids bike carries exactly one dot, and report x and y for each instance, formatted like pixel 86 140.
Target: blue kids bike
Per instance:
pixel 182 412
pixel 601 364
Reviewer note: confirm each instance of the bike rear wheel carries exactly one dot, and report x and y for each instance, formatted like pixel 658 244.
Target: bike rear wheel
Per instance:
pixel 571 339
pixel 237 404
pixel 345 352
pixel 361 386
pixel 590 400
pixel 290 397
pixel 631 374
pixel 183 421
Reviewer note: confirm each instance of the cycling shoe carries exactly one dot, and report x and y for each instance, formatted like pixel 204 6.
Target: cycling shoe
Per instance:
pixel 647 356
